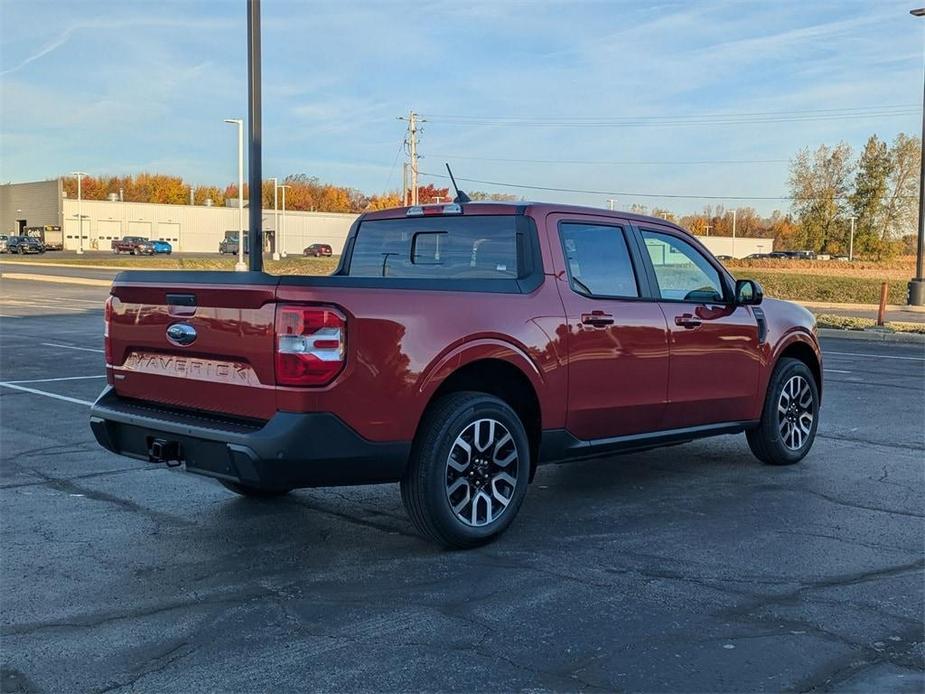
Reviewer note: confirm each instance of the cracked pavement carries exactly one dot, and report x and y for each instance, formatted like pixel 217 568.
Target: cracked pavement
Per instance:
pixel 692 568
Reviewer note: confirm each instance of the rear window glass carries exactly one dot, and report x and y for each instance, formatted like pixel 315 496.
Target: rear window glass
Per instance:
pixel 470 247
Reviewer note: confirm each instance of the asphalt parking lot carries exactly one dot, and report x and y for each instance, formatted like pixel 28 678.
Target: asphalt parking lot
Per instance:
pixel 693 568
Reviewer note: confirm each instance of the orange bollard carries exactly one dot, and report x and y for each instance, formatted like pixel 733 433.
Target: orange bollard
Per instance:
pixel 882 310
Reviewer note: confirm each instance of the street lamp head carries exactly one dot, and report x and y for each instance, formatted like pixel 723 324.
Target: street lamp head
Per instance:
pixel 234 121
pixel 920 12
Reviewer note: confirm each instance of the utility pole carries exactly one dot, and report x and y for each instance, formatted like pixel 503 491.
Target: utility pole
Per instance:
pixel 733 253
pixel 708 226
pixel 851 241
pixel 414 120
pixel 283 218
pixel 404 184
pixel 80 218
pixel 277 242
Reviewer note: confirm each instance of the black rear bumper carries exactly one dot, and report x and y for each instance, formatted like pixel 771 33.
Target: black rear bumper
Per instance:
pixel 290 450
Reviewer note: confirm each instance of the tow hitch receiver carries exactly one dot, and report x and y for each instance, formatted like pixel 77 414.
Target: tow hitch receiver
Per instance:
pixel 164 451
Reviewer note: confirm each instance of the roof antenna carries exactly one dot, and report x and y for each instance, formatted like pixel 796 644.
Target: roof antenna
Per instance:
pixel 460 195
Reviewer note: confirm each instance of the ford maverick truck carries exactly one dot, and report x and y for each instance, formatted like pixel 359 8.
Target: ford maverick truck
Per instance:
pixel 455 348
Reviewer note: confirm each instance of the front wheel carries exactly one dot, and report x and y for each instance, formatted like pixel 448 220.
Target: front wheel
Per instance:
pixel 790 417
pixel 468 471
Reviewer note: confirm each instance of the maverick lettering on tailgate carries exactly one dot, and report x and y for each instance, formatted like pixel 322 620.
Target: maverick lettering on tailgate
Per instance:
pixel 192 368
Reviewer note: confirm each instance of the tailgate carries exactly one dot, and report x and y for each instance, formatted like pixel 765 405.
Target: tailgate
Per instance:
pixel 197 340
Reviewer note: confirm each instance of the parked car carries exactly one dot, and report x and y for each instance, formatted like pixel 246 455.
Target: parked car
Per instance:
pixel 133 245
pixel 3 239
pixel 455 347
pixel 724 257
pixel 160 246
pixel 803 255
pixel 756 256
pixel 318 250
pixel 778 254
pixel 24 244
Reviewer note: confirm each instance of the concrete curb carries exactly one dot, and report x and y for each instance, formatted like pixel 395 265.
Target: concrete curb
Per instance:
pixel 55 279
pixel 857 307
pixel 74 266
pixel 873 336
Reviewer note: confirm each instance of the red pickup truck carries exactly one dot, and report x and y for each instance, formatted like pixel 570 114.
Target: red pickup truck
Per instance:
pixel 455 347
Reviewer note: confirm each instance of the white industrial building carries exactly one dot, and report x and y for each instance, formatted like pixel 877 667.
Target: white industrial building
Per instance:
pixel 189 228
pixel 200 228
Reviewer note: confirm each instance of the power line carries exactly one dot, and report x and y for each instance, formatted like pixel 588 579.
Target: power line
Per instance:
pixel 681 120
pixel 614 163
pixel 638 195
pixel 727 114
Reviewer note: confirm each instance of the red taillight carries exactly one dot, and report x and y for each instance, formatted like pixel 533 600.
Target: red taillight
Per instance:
pixel 107 340
pixel 310 345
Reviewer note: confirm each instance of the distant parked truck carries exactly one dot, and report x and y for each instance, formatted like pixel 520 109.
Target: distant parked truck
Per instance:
pixel 133 245
pixel 230 243
pixel 50 235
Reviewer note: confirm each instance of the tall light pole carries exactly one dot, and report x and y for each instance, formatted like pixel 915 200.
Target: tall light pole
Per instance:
pixel 733 253
pixel 80 219
pixel 851 239
pixel 277 242
pixel 611 202
pixel 917 285
pixel 240 266
pixel 283 188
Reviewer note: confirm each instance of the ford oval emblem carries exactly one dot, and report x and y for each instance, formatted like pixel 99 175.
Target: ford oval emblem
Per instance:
pixel 181 334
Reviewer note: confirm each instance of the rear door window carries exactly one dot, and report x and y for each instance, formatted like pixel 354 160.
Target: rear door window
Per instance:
pixel 465 247
pixel 598 260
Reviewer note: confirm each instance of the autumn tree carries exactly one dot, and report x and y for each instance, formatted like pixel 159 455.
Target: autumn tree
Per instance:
pixel 384 201
pixel 902 195
pixel 430 194
pixel 820 182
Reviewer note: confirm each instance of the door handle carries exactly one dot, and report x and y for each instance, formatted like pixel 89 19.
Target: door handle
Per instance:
pixel 688 321
pixel 597 318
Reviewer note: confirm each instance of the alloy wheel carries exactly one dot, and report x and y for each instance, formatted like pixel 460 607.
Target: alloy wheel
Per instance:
pixel 795 412
pixel 481 472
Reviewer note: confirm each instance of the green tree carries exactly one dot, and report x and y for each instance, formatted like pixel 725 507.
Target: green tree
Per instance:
pixel 868 201
pixel 820 182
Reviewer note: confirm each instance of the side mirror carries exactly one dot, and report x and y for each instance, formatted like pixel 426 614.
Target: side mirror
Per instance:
pixel 748 293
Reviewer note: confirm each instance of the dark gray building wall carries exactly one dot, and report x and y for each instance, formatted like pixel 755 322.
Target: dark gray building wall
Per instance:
pixel 39 202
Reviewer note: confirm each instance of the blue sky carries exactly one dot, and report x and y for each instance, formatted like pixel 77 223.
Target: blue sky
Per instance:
pixel 127 86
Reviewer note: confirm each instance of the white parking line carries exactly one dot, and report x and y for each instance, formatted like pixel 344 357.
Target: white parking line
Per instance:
pixel 52 380
pixel 835 371
pixel 872 356
pixel 80 349
pixel 76 401
pixel 96 302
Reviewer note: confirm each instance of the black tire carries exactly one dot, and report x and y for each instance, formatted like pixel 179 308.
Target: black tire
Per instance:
pixel 424 486
pixel 767 441
pixel 253 492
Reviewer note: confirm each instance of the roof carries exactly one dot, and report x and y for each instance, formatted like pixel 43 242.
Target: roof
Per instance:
pixel 536 209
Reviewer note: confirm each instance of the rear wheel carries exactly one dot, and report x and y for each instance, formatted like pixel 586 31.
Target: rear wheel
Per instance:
pixel 468 472
pixel 790 416
pixel 253 492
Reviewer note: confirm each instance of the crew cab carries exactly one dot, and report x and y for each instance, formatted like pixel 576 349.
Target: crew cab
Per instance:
pixel 454 349
pixel 133 245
